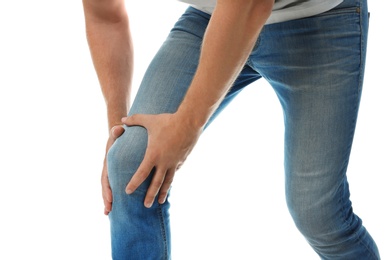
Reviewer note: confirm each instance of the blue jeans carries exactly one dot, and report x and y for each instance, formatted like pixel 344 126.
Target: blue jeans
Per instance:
pixel 316 67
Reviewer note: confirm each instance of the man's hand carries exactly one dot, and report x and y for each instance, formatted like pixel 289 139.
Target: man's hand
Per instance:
pixel 170 141
pixel 115 132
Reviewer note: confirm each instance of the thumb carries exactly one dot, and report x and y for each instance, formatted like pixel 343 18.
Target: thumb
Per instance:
pixel 137 119
pixel 116 131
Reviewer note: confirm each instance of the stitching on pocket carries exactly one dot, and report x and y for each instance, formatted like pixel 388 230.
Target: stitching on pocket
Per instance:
pixel 347 10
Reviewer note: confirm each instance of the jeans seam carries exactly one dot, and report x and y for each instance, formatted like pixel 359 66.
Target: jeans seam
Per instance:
pixel 360 241
pixel 363 49
pixel 163 232
pixel 358 94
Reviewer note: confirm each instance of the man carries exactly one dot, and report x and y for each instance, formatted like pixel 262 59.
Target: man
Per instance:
pixel 311 52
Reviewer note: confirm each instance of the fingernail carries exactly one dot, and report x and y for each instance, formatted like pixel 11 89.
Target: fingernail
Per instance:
pixel 148 204
pixel 129 191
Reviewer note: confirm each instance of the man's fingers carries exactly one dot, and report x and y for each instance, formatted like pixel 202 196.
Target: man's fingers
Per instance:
pixel 107 194
pixel 162 197
pixel 140 175
pixel 115 132
pixel 154 187
pixel 107 207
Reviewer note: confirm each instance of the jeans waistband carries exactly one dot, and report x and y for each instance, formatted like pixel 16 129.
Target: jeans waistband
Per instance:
pixel 351 3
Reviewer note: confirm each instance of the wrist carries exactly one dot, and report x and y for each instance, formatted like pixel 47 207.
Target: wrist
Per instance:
pixel 115 115
pixel 192 117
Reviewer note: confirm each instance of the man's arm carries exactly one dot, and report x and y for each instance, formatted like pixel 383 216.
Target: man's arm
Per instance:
pixel 111 49
pixel 228 41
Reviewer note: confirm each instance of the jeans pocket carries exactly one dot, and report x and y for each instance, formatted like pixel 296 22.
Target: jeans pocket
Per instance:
pixel 340 11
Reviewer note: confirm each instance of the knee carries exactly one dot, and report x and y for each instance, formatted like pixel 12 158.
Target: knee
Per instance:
pixel 322 219
pixel 307 218
pixel 335 233
pixel 125 156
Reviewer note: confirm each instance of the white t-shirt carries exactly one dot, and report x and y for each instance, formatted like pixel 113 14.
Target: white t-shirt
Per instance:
pixel 283 10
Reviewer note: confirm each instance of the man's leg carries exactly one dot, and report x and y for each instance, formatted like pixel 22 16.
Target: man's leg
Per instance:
pixel 138 232
pixel 316 66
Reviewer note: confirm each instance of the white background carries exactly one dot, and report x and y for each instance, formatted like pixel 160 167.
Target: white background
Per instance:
pixel 228 199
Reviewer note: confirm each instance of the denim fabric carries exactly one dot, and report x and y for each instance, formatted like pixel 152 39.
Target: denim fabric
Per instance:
pixel 316 67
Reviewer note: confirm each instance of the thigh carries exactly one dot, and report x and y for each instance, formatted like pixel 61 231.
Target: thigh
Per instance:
pixel 171 71
pixel 316 67
pixel 161 91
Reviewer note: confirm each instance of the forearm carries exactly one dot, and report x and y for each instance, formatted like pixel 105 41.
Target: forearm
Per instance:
pixel 111 49
pixel 228 41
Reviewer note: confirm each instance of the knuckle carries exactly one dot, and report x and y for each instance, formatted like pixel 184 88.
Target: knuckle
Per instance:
pixel 162 196
pixel 169 179
pixel 153 155
pixel 157 184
